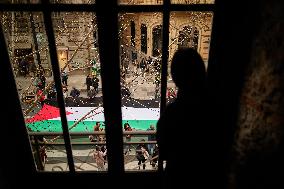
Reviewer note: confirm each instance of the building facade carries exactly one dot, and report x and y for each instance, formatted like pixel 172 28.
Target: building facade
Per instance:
pixel 140 35
pixel 75 33
pixel 142 32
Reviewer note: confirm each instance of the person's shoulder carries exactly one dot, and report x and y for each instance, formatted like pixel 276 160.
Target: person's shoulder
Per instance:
pixel 167 114
pixel 171 107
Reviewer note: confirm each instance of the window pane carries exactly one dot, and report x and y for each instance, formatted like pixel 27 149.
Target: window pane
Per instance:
pixel 192 1
pixel 188 29
pixel 22 1
pixel 29 55
pixel 140 2
pixel 77 48
pixel 51 1
pixel 140 82
pixel 74 1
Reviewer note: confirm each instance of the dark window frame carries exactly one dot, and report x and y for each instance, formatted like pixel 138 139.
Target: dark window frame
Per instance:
pixel 132 33
pixel 107 23
pixel 144 36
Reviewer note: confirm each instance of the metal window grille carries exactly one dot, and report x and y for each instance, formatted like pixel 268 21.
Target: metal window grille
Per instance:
pixel 107 25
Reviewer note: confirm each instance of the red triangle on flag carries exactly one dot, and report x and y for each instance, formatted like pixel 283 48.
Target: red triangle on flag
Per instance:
pixel 47 112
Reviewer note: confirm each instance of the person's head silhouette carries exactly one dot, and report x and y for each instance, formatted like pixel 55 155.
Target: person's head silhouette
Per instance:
pixel 188 70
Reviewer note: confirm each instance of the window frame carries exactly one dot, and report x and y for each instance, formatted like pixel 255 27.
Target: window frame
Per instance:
pixel 107 23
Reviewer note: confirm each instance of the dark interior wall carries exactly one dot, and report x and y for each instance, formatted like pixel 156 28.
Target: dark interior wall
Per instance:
pixel 234 26
pixel 258 160
pixel 246 65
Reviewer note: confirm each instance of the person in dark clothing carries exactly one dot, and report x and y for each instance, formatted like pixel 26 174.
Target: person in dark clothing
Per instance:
pixel 142 154
pixel 96 83
pixel 89 81
pixel 104 150
pixel 127 127
pixel 91 94
pixel 143 65
pixel 125 91
pixel 157 65
pixel 24 67
pixel 155 155
pixel 75 93
pixel 43 81
pixel 51 93
pixel 64 77
pixel 186 115
pixel 151 138
pixel 41 97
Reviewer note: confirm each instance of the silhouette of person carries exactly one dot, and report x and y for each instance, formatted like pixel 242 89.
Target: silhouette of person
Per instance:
pixel 182 125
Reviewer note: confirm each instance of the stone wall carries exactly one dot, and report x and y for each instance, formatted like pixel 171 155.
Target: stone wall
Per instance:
pixel 259 138
pixel 201 20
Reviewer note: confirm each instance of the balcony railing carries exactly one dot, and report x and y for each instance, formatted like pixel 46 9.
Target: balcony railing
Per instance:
pixel 53 144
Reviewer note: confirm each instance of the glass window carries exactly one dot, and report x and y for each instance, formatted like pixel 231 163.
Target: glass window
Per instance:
pixel 140 2
pixel 32 71
pixel 81 81
pixel 80 74
pixel 140 86
pixel 74 1
pixel 192 1
pixel 188 29
pixel 23 1
pixel 140 55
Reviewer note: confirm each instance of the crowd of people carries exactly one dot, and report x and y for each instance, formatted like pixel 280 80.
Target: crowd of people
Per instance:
pixel 41 94
pixel 142 151
pixel 147 149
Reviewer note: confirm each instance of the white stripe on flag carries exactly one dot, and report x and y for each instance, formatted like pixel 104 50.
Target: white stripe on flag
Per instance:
pixel 128 113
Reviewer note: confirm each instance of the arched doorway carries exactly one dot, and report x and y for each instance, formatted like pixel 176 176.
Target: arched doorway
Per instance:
pixel 157 40
pixel 188 37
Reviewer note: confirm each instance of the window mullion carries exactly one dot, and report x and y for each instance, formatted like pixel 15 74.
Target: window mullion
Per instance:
pixel 165 55
pixel 109 57
pixel 17 142
pixel 57 79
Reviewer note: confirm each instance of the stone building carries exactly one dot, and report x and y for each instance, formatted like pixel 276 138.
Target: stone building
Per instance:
pixel 75 33
pixel 140 34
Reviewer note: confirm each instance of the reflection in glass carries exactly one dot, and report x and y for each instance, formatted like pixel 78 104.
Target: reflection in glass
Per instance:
pixel 192 1
pixel 188 29
pixel 140 85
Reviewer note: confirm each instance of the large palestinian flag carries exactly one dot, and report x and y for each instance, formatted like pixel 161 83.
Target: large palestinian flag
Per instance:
pixel 48 118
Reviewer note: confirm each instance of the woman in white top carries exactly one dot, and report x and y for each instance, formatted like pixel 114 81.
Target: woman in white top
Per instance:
pixel 99 158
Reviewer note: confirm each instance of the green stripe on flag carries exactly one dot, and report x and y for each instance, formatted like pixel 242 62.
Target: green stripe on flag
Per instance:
pixel 84 126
